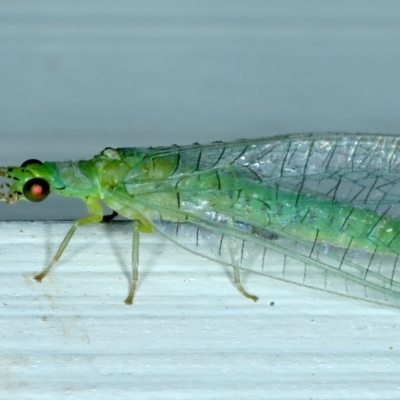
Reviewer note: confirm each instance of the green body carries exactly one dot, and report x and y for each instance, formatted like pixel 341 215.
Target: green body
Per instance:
pixel 137 184
pixel 304 188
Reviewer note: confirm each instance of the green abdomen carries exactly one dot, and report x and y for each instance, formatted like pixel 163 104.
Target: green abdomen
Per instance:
pixel 319 220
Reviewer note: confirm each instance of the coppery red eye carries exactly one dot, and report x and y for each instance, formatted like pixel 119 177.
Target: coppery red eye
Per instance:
pixel 36 189
pixel 31 161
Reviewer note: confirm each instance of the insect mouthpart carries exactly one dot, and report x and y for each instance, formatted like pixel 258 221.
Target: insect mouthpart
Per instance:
pixel 7 194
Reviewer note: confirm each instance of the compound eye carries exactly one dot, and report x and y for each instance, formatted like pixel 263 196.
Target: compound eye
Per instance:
pixel 36 189
pixel 31 161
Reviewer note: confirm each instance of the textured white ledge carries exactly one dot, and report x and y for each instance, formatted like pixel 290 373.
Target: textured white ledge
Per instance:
pixel 189 334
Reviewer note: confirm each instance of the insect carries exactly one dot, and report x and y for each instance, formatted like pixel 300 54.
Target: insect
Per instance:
pixel 329 203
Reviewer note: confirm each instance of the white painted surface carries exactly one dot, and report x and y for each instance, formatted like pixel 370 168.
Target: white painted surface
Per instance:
pixel 189 333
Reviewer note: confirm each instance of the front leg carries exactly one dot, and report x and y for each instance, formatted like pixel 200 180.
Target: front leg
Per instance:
pixel 95 217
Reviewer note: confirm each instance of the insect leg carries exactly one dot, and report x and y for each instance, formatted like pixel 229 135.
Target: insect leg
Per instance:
pixel 235 254
pixel 135 261
pixel 96 216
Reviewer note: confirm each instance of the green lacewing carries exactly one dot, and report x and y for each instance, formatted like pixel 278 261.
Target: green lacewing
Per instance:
pixel 319 210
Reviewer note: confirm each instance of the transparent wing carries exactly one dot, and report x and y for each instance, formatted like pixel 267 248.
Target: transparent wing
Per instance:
pixel 358 169
pixel 329 202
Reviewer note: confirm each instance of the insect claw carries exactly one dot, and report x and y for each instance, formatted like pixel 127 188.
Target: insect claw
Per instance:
pixel 245 293
pixel 39 277
pixel 129 299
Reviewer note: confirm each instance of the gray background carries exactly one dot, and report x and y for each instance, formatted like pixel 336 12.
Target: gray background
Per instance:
pixel 78 76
